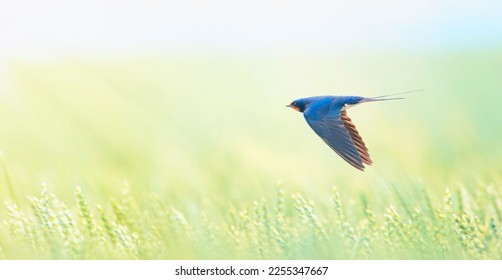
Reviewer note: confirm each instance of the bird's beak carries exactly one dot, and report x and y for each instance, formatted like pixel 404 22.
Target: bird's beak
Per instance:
pixel 294 107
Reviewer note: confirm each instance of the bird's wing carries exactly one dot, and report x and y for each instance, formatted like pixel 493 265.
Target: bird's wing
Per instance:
pixel 356 138
pixel 338 131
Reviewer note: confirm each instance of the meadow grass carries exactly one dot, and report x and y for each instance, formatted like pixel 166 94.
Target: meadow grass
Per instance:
pixel 197 158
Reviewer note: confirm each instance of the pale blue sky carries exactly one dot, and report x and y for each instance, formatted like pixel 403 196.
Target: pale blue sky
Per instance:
pixel 40 28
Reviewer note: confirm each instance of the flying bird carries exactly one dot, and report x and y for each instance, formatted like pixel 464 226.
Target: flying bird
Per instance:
pixel 327 116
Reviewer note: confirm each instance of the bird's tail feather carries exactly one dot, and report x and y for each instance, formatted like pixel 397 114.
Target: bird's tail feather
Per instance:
pixel 385 97
pixel 372 99
pixel 399 93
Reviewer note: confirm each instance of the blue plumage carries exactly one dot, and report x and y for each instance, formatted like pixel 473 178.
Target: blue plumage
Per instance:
pixel 327 116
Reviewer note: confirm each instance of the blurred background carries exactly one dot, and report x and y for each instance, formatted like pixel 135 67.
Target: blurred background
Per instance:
pixel 185 99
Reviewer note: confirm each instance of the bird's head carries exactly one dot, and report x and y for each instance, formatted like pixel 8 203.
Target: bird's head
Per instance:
pixel 299 105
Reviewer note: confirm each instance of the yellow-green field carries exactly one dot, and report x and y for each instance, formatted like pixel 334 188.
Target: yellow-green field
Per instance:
pixel 196 157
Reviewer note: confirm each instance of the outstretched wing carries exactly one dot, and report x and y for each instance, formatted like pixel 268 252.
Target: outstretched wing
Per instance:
pixel 338 131
pixel 356 138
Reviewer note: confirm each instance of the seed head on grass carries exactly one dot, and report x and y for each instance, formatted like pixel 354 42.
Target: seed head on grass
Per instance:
pixel 21 227
pixel 67 228
pixel 127 241
pixel 308 215
pixel 85 213
pixel 346 230
pixel 338 206
pixel 279 232
pixel 121 216
pixel 108 226
pixel 179 219
pixel 46 222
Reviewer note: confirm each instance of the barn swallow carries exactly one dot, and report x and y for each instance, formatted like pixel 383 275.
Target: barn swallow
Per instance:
pixel 327 116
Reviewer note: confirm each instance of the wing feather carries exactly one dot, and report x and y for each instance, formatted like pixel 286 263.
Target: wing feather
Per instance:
pixel 356 138
pixel 337 130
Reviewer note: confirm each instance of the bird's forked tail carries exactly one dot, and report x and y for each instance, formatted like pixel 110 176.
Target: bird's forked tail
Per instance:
pixel 385 97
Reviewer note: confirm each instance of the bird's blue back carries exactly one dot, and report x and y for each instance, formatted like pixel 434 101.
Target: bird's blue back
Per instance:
pixel 320 106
